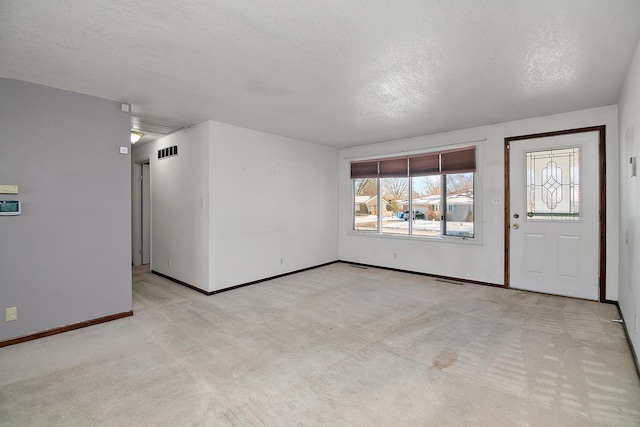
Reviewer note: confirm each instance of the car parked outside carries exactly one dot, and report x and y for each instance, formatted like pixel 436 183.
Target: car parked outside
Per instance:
pixel 416 215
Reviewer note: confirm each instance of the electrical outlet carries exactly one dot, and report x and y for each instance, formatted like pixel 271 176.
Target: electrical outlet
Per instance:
pixel 169 262
pixel 281 260
pixel 12 314
pixel 636 323
pixel 395 255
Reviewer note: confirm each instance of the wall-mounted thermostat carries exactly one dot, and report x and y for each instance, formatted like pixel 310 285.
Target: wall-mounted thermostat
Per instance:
pixel 8 189
pixel 10 207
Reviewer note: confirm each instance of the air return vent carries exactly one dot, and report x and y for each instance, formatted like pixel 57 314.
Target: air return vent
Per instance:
pixel 168 152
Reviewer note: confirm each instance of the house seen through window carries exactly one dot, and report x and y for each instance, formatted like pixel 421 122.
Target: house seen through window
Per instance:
pixel 426 195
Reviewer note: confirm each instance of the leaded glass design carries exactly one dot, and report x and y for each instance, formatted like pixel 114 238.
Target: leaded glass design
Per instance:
pixel 553 184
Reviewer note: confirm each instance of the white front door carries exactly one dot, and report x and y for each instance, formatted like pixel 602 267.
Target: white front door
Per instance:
pixel 553 214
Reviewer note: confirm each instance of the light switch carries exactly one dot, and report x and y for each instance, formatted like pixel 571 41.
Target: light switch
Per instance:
pixel 8 189
pixel 124 150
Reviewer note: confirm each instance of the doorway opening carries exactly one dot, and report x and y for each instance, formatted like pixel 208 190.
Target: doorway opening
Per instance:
pixel 141 214
pixel 555 213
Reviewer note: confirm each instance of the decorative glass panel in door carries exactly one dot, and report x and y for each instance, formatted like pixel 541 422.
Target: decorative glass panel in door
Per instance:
pixel 553 184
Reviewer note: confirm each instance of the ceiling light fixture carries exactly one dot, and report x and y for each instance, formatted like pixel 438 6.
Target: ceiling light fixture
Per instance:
pixel 135 136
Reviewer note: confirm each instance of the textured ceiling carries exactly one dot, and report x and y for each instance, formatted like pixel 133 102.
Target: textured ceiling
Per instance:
pixel 335 72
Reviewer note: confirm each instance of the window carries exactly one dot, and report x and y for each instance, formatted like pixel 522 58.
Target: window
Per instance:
pixel 366 204
pixel 426 195
pixel 459 219
pixel 394 192
pixel 394 188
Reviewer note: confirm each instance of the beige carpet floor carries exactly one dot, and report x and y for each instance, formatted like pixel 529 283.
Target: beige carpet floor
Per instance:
pixel 333 346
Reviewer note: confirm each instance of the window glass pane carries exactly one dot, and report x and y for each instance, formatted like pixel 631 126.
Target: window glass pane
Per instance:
pixel 395 195
pixel 426 205
pixel 459 200
pixel 553 184
pixel 366 204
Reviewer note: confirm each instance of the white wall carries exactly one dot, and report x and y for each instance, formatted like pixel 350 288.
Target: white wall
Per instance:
pixel 179 221
pixel 265 198
pixel 629 129
pixel 272 198
pixel 483 262
pixel 67 258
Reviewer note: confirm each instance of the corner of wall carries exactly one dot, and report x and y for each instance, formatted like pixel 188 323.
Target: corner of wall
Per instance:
pixel 629 256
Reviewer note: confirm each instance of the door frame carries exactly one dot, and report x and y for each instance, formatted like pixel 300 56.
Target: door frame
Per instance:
pixel 145 211
pixel 602 216
pixel 136 213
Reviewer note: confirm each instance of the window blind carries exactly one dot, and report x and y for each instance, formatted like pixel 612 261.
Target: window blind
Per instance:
pixel 427 164
pixel 392 168
pixel 368 169
pixel 458 161
pixel 461 160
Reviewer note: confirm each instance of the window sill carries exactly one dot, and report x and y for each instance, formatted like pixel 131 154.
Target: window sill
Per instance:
pixel 476 241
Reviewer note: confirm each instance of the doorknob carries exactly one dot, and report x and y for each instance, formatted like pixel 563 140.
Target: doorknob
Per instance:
pixel 516 226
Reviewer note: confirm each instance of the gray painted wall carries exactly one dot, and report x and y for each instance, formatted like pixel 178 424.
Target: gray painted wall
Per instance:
pixel 67 258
